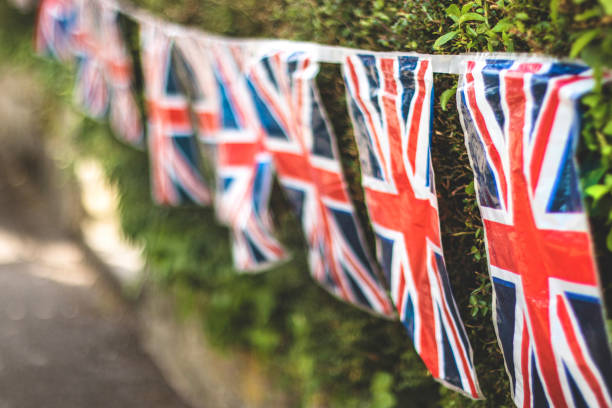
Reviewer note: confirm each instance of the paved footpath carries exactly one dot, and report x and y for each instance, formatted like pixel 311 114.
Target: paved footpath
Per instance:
pixel 66 338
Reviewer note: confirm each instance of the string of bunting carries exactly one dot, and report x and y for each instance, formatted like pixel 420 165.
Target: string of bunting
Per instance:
pixel 257 103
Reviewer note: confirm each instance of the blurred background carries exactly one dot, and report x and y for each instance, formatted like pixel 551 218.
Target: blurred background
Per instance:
pixel 68 337
pixel 107 300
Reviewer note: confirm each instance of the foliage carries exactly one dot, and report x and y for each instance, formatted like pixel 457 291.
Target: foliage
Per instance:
pixel 325 352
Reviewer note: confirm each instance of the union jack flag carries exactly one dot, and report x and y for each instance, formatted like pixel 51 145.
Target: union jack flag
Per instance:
pixel 304 149
pixel 104 77
pixel 55 28
pixel 227 118
pixel 91 91
pixel 173 149
pixel 521 125
pixel 390 103
pixel 202 85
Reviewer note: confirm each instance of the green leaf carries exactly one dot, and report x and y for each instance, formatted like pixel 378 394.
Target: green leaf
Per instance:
pixel 502 25
pixel 471 17
pixel 467 7
pixel 381 388
pixel 444 39
pixel 609 240
pixel 453 12
pixel 481 29
pixel 382 16
pixel 608 128
pixel 599 112
pixel 508 43
pixel 469 189
pixel 446 96
pixel 592 177
pixel 594 58
pixel 265 340
pixel 591 100
pixel 521 16
pixel 582 41
pixel 594 12
pixel 597 191
pixel 554 10
pixel 607 6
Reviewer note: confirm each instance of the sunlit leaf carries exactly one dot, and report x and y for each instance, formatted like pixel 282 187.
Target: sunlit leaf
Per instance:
pixel 607 6
pixel 502 25
pixel 597 191
pixel 444 39
pixel 582 41
pixel 446 96
pixel 471 17
pixel 453 12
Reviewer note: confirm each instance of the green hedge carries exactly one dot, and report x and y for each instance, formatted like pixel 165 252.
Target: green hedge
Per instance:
pixel 323 351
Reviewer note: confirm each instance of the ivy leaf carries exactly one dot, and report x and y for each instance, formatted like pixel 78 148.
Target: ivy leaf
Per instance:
pixel 471 17
pixel 444 39
pixel 446 95
pixel 582 41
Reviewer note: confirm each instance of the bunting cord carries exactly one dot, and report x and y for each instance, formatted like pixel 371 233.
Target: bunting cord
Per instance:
pixel 331 54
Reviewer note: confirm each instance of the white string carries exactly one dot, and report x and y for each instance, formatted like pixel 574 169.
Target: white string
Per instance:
pixel 441 64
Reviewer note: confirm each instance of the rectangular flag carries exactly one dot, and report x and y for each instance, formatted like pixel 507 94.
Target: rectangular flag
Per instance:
pixel 202 86
pixel 176 175
pixel 521 125
pixel 301 141
pixel 104 77
pixel 55 28
pixel 244 171
pixel 390 102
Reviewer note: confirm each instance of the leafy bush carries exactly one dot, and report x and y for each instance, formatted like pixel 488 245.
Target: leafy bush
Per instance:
pixel 325 352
